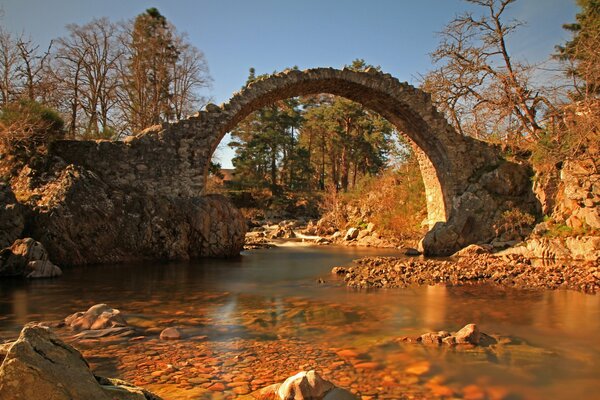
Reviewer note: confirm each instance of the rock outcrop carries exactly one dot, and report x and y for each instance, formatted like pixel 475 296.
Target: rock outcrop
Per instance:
pixel 83 219
pixel 12 221
pixel 570 198
pixel 39 366
pixel 27 258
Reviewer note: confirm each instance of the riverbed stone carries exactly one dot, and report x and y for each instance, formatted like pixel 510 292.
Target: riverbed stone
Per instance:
pixel 468 334
pixel 304 385
pixel 171 333
pixel 99 316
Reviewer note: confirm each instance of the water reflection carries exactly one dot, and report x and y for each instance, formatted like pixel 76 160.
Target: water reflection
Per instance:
pixel 272 296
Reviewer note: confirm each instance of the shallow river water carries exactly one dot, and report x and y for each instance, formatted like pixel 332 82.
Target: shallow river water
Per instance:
pixel 253 321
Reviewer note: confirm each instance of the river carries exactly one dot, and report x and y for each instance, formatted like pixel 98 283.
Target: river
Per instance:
pixel 259 318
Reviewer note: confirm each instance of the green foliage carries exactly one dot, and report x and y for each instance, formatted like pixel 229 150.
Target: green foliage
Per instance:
pixel 266 147
pixel 562 230
pixel 33 113
pixel 149 70
pixel 214 169
pixel 29 123
pixel 581 52
pixel 26 128
pixel 311 142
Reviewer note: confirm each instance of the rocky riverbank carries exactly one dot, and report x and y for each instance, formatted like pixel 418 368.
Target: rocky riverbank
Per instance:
pixel 266 234
pixel 510 271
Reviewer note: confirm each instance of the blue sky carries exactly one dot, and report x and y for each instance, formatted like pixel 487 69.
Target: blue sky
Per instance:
pixel 273 35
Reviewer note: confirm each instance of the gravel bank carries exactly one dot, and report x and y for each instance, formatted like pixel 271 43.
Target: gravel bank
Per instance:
pixel 392 272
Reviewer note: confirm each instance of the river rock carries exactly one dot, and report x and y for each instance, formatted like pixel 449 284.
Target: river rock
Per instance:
pixel 468 334
pixel 170 333
pixel 351 234
pixel 99 316
pixel 27 258
pixel 409 251
pixel 473 249
pixel 304 385
pixel 39 366
pixel 339 394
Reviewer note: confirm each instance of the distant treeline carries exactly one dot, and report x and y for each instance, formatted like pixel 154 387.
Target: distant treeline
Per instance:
pixel 107 78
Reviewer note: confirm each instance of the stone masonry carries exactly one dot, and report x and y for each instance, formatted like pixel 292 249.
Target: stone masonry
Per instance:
pixel 468 184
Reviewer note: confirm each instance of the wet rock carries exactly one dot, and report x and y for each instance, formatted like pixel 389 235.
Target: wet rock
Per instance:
pixel 122 331
pixel 304 385
pixel 433 337
pixel 339 394
pixel 450 340
pixel 39 366
pixel 99 316
pixel 171 334
pixel 468 334
pixel 27 258
pixel 339 270
pixel 430 338
pixel 409 251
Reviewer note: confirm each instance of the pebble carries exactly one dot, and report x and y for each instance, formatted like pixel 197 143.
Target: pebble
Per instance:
pixel 170 334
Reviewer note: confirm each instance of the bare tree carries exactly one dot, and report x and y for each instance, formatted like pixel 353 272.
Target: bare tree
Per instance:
pixel 190 74
pixel 9 59
pixel 86 67
pixel 480 81
pixel 31 69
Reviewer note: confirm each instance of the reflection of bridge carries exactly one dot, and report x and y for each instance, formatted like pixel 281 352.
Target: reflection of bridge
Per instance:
pixel 467 182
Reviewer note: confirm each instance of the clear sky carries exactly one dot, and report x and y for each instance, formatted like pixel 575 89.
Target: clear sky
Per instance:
pixel 273 35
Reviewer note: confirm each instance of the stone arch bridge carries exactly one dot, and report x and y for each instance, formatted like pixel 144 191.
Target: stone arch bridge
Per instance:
pixel 468 183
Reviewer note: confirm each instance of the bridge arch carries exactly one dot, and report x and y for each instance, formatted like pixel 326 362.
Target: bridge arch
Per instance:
pixel 468 183
pixel 407 108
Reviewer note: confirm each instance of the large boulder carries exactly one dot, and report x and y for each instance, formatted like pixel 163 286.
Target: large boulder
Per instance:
pixel 39 366
pixel 27 258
